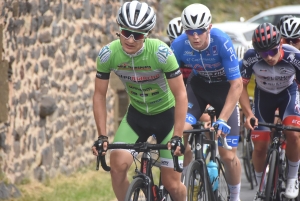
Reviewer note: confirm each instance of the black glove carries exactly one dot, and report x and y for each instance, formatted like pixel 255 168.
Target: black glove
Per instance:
pixel 177 141
pixel 99 143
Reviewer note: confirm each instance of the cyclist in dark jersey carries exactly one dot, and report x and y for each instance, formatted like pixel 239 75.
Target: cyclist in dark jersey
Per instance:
pixel 214 78
pixel 277 68
pixel 158 99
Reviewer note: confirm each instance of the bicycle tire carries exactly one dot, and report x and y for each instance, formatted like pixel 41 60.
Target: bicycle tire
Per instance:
pixel 195 179
pixel 222 193
pixel 271 177
pixel 246 157
pixel 248 164
pixel 136 191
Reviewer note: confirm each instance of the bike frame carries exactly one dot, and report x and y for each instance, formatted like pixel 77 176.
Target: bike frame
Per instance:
pixel 278 175
pixel 145 172
pixel 199 138
pixel 274 148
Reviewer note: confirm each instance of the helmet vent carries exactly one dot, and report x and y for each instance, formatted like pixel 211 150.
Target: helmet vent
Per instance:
pixel 194 18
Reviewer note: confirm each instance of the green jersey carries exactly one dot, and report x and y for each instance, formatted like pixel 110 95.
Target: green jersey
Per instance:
pixel 143 74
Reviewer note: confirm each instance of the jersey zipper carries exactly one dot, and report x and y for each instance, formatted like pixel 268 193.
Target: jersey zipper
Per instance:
pixel 144 99
pixel 205 68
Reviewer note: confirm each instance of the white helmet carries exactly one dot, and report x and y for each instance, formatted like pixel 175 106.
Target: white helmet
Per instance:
pixel 240 51
pixel 196 16
pixel 175 28
pixel 291 28
pixel 136 15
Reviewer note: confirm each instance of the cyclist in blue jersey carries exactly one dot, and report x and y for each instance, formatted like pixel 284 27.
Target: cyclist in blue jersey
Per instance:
pixel 215 79
pixel 174 30
pixel 158 100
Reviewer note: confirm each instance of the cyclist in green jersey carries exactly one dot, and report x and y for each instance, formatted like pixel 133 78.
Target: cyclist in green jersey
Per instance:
pixel 158 101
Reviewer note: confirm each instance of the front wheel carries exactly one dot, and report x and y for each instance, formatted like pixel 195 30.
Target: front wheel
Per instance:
pixel 136 191
pixel 222 193
pixel 195 182
pixel 248 164
pixel 270 176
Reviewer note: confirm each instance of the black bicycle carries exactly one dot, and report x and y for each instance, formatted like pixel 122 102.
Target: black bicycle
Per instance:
pixel 247 154
pixel 247 151
pixel 197 180
pixel 142 187
pixel 272 184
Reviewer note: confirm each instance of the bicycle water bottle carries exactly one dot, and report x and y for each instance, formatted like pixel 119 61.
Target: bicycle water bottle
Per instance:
pixel 212 169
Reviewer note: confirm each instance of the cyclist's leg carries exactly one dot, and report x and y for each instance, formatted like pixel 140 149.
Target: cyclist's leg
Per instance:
pixel 230 159
pixel 290 109
pixel 121 160
pixel 134 127
pixel 264 111
pixel 194 112
pixel 171 179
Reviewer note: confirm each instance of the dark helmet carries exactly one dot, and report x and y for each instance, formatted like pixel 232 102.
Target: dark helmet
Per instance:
pixel 282 19
pixel 265 37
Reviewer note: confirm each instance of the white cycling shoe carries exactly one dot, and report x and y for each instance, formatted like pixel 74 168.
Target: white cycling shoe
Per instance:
pixel 292 188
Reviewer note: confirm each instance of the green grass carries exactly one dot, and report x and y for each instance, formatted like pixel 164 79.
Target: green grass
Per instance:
pixel 84 185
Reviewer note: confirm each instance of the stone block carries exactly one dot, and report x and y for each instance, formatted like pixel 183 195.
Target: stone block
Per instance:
pixel 47 106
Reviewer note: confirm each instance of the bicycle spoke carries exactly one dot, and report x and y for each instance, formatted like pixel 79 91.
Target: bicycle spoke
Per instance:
pixel 223 190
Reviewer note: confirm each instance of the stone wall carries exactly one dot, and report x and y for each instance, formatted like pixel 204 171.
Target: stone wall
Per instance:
pixel 48 70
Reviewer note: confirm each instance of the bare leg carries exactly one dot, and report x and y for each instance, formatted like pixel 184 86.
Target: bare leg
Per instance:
pixel 171 180
pixel 120 162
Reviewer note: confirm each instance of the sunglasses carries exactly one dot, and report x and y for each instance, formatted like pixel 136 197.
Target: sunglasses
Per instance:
pixel 191 32
pixel 136 35
pixel 271 52
pixel 292 40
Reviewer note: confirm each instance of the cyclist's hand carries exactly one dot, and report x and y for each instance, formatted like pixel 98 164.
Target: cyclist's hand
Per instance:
pixel 248 125
pixel 223 127
pixel 176 142
pixel 101 145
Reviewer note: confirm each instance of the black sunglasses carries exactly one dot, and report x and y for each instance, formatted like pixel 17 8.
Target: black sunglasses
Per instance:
pixel 271 52
pixel 136 35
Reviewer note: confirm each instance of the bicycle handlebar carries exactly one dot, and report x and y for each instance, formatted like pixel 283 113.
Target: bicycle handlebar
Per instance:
pixel 138 147
pixel 278 127
pixel 222 139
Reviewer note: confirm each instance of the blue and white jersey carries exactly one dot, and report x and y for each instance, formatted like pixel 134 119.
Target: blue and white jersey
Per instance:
pixel 217 63
pixel 272 79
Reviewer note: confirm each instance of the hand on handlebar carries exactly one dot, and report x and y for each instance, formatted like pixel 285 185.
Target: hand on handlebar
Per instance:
pixel 100 145
pixel 251 122
pixel 223 127
pixel 176 146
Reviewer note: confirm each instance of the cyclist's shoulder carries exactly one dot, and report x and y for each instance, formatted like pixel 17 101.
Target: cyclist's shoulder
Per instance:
pixel 110 52
pixel 290 51
pixel 218 35
pixel 251 57
pixel 180 42
pixel 111 49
